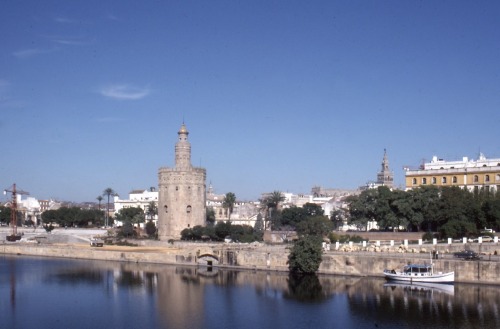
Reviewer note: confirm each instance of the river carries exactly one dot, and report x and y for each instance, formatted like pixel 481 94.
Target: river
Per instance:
pixel 61 293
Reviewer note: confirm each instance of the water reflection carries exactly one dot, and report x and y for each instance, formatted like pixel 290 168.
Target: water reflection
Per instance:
pixel 305 288
pixel 157 296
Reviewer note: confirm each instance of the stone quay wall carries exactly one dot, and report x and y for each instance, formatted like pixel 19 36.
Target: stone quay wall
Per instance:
pixel 268 258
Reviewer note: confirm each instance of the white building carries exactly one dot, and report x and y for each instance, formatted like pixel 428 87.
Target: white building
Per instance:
pixel 138 199
pixel 244 212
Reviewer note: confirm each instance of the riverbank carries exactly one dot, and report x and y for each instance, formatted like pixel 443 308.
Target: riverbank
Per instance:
pixel 262 257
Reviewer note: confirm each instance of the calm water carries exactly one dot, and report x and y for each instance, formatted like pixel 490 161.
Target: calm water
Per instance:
pixel 58 293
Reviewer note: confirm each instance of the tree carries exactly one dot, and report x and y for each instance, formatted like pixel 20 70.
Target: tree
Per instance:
pixel 127 230
pixel 210 219
pixel 271 205
pixel 293 216
pixel 222 229
pixel 228 203
pixel 50 216
pixel 152 210
pixel 5 214
pixel 305 255
pixel 456 229
pixel 259 228
pixel 133 215
pixel 99 199
pixel 491 209
pixel 313 209
pixel 108 192
pixel 85 216
pixel 315 225
pixel 362 208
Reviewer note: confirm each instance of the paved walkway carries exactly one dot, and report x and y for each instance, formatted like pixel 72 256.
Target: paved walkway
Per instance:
pixel 58 235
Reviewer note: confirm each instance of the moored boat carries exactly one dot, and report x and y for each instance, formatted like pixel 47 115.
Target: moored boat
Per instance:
pixel 419 273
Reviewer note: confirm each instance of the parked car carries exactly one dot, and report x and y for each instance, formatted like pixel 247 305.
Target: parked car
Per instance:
pixel 466 255
pixel 487 238
pixel 96 243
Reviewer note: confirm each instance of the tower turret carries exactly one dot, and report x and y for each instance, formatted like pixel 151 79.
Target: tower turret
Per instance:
pixel 183 149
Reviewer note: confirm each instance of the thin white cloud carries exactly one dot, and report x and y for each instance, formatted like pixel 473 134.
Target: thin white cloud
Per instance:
pixel 72 41
pixel 26 53
pixel 64 20
pixel 124 92
pixel 67 20
pixel 69 40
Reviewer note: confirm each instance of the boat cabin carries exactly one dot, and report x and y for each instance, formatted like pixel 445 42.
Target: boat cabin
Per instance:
pixel 416 269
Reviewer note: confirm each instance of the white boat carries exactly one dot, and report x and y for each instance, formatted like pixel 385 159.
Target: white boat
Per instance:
pixel 419 273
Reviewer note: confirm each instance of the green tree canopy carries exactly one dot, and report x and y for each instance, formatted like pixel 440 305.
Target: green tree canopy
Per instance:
pixel 315 225
pixel 305 255
pixel 133 215
pixel 5 214
pixel 73 216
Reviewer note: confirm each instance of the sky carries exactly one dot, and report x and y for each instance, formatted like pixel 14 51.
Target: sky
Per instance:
pixel 276 95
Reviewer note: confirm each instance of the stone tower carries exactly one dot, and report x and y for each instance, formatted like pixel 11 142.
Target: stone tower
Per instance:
pixel 181 194
pixel 385 176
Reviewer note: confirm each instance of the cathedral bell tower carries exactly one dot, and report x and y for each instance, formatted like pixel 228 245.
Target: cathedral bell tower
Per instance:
pixel 385 176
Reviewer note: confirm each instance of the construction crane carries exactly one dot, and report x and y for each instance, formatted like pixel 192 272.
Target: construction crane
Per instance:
pixel 13 211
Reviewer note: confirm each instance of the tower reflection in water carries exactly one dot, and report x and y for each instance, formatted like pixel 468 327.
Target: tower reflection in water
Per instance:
pixel 196 297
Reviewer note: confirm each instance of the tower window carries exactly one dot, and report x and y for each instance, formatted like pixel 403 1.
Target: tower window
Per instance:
pixel 165 207
pixel 188 209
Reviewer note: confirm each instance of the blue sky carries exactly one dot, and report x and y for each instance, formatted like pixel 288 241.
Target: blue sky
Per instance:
pixel 276 95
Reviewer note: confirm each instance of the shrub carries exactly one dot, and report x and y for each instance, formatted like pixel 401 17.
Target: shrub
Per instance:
pixel 305 255
pixel 48 228
pixel 428 236
pixel 150 229
pixel 344 238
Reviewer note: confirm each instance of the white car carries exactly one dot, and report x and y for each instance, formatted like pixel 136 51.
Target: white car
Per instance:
pixel 487 238
pixel 96 243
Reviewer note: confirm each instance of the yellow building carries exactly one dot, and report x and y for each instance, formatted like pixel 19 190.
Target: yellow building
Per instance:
pixel 468 173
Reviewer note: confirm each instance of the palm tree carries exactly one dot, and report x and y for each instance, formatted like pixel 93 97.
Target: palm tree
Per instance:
pixel 270 202
pixel 99 198
pixel 228 203
pixel 274 199
pixel 152 210
pixel 108 192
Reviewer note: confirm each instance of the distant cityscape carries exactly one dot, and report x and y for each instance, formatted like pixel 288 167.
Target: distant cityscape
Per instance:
pixel 482 173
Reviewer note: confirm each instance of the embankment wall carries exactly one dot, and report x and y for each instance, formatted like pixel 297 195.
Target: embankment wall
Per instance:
pixel 270 258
